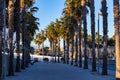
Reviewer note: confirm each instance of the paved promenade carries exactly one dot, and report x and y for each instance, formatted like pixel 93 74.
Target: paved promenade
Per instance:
pixel 57 71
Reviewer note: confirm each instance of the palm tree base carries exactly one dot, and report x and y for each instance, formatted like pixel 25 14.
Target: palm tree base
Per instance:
pixel 23 67
pixel 80 66
pixel 85 67
pixel 10 74
pixel 94 70
pixel 75 64
pixel 117 78
pixel 17 71
pixel 104 73
pixel 71 63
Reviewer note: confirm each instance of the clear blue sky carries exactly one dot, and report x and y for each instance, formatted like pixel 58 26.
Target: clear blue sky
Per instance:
pixel 49 10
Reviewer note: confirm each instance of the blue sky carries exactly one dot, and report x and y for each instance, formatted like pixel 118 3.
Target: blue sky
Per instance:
pixel 49 10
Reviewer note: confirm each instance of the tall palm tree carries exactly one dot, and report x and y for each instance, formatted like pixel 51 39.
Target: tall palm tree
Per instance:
pixel 58 30
pixel 74 10
pixel 105 31
pixel 2 8
pixel 10 30
pixel 23 13
pixel 92 11
pixel 117 37
pixel 64 32
pixel 84 13
pixel 25 4
pixel 38 42
pixel 64 36
pixel 40 38
pixel 80 38
pixel 43 38
pixel 17 27
pixel 48 35
pixel 78 16
pixel 76 45
pixel 32 26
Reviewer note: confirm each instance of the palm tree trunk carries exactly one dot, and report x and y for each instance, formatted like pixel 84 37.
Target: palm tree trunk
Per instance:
pixel 85 37
pixel 29 57
pixel 64 50
pixel 27 50
pixel 17 25
pixel 43 49
pixel 117 37
pixel 92 10
pixel 1 39
pixel 58 50
pixel 67 51
pixel 76 44
pixel 80 37
pixel 55 50
pixel 29 42
pixel 72 48
pixel 105 30
pixel 23 33
pixel 1 43
pixel 39 48
pixel 50 47
pixel 10 30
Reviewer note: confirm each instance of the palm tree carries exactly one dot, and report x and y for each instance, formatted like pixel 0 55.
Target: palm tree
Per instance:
pixel 77 14
pixel 2 8
pixel 58 30
pixel 10 30
pixel 92 10
pixel 17 27
pixel 117 38
pixel 38 42
pixel 105 31
pixel 64 32
pixel 50 34
pixel 68 12
pixel 68 33
pixel 32 26
pixel 23 13
pixel 43 38
pixel 74 10
pixel 25 4
pixel 80 51
pixel 84 12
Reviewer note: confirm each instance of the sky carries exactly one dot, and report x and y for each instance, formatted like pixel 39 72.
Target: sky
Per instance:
pixel 49 10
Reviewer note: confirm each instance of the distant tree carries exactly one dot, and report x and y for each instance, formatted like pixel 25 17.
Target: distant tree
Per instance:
pixel 46 50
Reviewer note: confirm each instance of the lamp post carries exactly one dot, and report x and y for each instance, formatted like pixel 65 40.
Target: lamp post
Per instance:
pixel 99 14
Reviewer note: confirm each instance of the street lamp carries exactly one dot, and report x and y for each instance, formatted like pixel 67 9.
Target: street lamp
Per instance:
pixel 99 14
